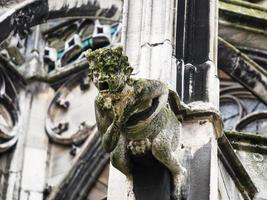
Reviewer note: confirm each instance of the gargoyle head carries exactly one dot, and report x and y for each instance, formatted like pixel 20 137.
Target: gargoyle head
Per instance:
pixel 109 69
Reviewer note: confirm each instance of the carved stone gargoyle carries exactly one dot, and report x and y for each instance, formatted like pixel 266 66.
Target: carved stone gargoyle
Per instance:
pixel 134 117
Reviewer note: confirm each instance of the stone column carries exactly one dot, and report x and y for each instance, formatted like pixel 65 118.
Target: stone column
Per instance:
pixel 198 86
pixel 179 47
pixel 148 38
pixel 196 51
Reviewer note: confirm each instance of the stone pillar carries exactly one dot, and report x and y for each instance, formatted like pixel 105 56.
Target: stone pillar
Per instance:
pixel 196 51
pixel 179 48
pixel 197 81
pixel 148 37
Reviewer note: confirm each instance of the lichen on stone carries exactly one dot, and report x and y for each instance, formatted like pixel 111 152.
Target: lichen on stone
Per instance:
pixel 108 60
pixel 133 116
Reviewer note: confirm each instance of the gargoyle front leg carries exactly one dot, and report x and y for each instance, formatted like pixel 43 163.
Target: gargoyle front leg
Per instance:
pixel 163 151
pixel 119 158
pixel 111 137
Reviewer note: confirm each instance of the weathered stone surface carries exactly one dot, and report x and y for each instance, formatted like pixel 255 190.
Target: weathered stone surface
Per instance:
pixel 243 69
pixel 134 121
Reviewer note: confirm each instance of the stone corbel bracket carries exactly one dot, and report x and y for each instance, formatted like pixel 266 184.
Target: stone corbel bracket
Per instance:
pixel 202 126
pixel 197 110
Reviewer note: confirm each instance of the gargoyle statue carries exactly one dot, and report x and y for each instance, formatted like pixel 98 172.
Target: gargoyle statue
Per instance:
pixel 133 116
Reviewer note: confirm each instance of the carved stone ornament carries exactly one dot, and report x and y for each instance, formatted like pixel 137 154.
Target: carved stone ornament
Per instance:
pixel 134 117
pixel 10 118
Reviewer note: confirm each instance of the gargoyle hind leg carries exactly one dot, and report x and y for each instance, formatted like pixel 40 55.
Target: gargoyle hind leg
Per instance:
pixel 163 150
pixel 119 158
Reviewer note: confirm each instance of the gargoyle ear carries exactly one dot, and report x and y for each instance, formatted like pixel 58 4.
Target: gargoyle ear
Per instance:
pixel 128 70
pixel 88 55
pixel 119 49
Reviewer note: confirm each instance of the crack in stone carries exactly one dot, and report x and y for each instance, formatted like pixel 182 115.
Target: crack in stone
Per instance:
pixel 155 44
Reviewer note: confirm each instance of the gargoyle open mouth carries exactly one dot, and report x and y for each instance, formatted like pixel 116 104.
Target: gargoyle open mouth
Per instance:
pixel 141 116
pixel 103 86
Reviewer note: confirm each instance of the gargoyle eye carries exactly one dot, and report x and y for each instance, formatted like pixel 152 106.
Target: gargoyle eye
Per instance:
pixel 96 74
